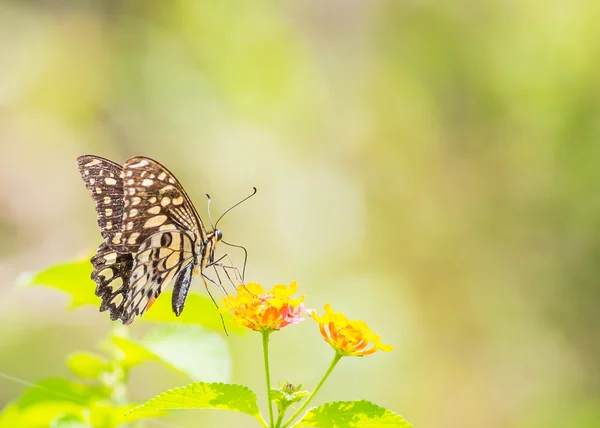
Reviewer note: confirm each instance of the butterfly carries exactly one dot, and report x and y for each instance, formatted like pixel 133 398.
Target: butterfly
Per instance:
pixel 153 235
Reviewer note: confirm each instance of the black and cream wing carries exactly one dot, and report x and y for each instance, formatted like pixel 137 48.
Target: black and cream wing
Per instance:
pixel 154 201
pixel 163 258
pixel 112 262
pixel 161 225
pixel 102 177
pixel 112 271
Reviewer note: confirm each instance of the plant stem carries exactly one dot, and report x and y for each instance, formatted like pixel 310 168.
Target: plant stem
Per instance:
pixel 265 343
pixel 336 358
pixel 116 379
pixel 279 418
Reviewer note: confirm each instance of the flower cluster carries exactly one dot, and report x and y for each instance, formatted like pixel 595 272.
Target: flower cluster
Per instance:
pixel 261 310
pixel 348 337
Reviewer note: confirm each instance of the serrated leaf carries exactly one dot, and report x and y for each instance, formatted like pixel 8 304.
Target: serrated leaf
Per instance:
pixel 70 277
pixel 197 352
pixel 203 395
pixel 352 414
pixel 86 364
pixel 285 399
pixel 59 390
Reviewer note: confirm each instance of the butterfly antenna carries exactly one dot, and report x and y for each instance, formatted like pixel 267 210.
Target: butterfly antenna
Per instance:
pixel 245 257
pixel 209 216
pixel 243 200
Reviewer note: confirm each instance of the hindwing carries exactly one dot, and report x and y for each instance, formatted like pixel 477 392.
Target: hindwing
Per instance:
pixel 111 274
pixel 159 260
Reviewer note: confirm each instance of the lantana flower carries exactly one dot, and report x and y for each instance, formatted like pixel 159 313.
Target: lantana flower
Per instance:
pixel 262 310
pixel 348 337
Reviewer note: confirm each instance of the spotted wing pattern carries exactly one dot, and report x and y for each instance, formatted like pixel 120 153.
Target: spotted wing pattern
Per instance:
pixel 155 201
pixel 103 179
pixel 162 226
pixel 112 262
pixel 111 274
pixel 161 259
pixel 153 235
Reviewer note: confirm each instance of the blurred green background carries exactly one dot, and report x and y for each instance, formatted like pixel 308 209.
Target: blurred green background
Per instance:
pixel 428 167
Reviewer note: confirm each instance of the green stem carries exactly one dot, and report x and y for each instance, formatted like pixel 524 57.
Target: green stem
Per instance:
pixel 117 376
pixel 336 358
pixel 261 421
pixel 279 418
pixel 265 343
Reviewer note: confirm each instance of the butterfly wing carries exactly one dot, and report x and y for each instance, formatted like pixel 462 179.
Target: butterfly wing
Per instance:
pixel 111 274
pixel 161 224
pixel 154 201
pixel 161 258
pixel 112 262
pixel 102 177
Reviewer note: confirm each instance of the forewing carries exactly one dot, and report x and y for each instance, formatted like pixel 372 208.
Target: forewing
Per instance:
pixel 160 259
pixel 111 275
pixel 155 201
pixel 102 177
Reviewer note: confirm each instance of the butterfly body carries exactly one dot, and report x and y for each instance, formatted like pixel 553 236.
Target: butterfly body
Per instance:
pixel 153 235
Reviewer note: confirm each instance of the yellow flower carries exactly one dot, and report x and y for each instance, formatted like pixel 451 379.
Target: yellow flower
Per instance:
pixel 261 310
pixel 348 337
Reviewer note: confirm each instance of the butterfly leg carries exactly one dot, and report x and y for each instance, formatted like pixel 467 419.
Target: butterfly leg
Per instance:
pixel 214 266
pixel 212 281
pixel 217 273
pixel 239 277
pixel 233 284
pixel 204 278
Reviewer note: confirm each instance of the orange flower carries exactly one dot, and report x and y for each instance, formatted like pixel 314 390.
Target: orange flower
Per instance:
pixel 348 337
pixel 261 310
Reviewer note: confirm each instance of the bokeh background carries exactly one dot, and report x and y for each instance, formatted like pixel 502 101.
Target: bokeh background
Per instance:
pixel 429 167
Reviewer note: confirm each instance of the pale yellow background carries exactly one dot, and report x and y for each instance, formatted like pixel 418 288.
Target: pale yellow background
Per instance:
pixel 429 167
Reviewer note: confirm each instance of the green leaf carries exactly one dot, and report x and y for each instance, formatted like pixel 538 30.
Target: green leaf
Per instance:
pixel 132 353
pixel 74 279
pixel 188 349
pixel 38 415
pixel 124 414
pixel 282 397
pixel 285 399
pixel 10 415
pixel 86 364
pixel 352 414
pixel 202 395
pixel 109 416
pixel 199 353
pixel 69 421
pixel 199 309
pixel 71 277
pixel 59 390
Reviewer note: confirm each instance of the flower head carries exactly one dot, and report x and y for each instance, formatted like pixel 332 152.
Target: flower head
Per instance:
pixel 262 310
pixel 348 337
